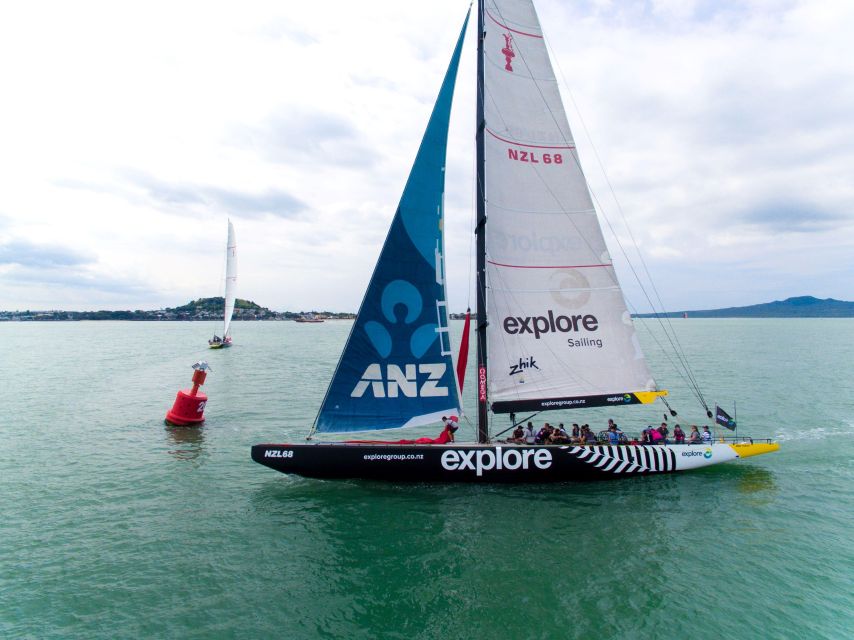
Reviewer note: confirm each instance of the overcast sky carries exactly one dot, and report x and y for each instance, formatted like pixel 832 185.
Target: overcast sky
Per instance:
pixel 129 132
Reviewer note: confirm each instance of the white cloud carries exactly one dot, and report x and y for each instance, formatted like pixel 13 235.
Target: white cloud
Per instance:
pixel 725 128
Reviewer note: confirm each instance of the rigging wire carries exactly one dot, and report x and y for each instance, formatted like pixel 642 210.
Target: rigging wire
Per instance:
pixel 663 313
pixel 473 223
pixel 515 423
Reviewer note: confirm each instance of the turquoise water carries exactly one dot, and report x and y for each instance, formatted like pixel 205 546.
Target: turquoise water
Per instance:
pixel 114 526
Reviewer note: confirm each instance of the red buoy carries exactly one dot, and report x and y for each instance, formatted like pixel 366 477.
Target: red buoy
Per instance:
pixel 189 407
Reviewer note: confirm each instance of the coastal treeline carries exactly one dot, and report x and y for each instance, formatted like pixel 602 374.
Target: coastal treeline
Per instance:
pixel 200 309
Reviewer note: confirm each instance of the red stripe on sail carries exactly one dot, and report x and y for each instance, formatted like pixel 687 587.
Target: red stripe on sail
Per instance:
pixel 463 358
pixel 549 266
pixel 504 26
pixel 533 146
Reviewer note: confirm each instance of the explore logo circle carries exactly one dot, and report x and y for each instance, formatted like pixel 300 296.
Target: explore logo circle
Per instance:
pixel 707 453
pixel 627 398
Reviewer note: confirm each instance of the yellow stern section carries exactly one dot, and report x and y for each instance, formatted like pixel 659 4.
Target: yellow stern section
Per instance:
pixel 745 449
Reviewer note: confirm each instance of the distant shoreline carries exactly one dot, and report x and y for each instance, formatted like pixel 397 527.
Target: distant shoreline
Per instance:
pixel 799 307
pixel 200 310
pixel 210 309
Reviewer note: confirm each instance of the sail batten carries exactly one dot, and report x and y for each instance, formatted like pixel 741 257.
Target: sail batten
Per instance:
pixel 542 143
pixel 548 266
pixel 397 367
pixel 560 335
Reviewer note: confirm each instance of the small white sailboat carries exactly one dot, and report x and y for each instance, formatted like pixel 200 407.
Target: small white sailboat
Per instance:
pixel 550 312
pixel 218 342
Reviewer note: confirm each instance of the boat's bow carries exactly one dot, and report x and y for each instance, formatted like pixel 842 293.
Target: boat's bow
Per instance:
pixel 748 449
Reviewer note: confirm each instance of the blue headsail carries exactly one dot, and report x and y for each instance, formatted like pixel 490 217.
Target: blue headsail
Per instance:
pixel 396 369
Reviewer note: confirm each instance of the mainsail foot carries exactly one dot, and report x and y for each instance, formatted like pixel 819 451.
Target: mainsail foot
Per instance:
pixel 578 402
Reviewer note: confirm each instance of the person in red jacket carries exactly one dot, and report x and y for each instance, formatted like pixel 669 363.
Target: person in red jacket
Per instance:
pixel 447 434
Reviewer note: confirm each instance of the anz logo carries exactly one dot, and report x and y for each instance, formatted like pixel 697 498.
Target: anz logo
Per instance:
pixel 402 328
pixel 404 381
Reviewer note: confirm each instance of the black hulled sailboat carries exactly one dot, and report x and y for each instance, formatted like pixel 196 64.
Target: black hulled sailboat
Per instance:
pixel 550 312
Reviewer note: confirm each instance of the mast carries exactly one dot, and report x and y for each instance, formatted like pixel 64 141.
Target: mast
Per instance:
pixel 480 232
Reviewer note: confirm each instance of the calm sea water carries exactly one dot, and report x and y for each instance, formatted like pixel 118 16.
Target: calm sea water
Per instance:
pixel 114 526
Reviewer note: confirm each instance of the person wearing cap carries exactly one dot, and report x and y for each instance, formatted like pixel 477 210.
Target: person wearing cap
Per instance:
pixel 450 427
pixel 518 436
pixel 706 436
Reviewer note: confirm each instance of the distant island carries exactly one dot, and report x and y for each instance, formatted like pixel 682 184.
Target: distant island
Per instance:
pixel 799 307
pixel 211 309
pixel 201 309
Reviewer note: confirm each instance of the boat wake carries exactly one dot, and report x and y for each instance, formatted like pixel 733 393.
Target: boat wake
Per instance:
pixel 816 433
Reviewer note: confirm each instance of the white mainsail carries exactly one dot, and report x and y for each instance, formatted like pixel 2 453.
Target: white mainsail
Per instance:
pixel 558 327
pixel 230 279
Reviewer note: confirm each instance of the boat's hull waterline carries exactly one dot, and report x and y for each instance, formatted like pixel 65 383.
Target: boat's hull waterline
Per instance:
pixel 494 463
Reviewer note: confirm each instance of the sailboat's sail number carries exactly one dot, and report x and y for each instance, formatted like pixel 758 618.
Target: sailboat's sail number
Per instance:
pixel 278 453
pixel 534 157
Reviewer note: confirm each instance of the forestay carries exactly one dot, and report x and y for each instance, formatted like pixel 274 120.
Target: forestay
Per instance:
pixel 559 333
pixel 396 369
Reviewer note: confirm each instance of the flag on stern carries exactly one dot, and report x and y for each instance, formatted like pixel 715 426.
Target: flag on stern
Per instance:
pixel 723 419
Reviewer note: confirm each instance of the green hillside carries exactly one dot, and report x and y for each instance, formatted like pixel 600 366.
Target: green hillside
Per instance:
pixel 215 305
pixel 798 307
